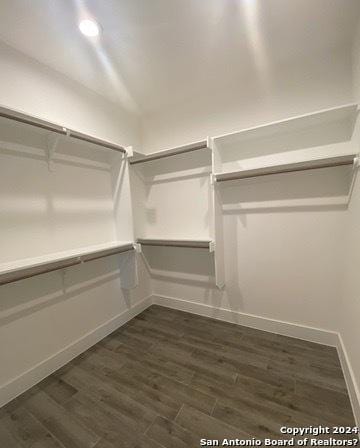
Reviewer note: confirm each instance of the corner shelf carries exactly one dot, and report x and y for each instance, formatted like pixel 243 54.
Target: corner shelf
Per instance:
pixel 14 271
pixel 178 199
pixel 142 158
pixel 173 199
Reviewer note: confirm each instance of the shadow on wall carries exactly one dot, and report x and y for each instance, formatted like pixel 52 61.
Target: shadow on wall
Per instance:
pixel 321 189
pixel 196 160
pixel 46 212
pixel 31 143
pixel 183 264
pixel 118 178
pixel 174 169
pixel 184 269
pixel 31 295
pixel 288 260
pixel 234 296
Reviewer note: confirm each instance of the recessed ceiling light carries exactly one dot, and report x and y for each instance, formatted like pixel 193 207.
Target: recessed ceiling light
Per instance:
pixel 89 28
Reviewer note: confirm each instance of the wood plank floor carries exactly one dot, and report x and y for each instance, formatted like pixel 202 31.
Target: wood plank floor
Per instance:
pixel 168 378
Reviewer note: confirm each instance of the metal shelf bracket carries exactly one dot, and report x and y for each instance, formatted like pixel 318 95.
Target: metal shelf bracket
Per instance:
pixel 212 179
pixel 129 152
pixel 137 247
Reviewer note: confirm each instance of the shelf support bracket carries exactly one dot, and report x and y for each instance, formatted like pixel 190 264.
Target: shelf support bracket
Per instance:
pixel 129 152
pixel 355 171
pixel 137 247
pixel 212 179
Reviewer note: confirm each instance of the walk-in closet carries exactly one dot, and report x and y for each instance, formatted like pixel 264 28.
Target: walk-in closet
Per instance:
pixel 179 223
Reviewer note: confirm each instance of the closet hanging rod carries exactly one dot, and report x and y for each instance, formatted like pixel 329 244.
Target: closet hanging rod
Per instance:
pixel 171 152
pixel 96 141
pixel 32 121
pixel 196 244
pixel 48 126
pixel 54 265
pixel 327 162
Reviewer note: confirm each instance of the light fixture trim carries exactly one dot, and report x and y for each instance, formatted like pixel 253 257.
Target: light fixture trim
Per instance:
pixel 89 27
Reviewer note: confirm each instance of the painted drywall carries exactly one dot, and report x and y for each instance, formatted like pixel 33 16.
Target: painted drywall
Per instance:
pixel 79 203
pixel 283 263
pixel 292 90
pixel 350 299
pixel 356 64
pixel 172 197
pixel 349 304
pixel 46 211
pixel 30 87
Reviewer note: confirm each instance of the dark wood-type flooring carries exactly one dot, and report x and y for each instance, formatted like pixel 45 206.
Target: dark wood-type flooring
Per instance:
pixel 168 378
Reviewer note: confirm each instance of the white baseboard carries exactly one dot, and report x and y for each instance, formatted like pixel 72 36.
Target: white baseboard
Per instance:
pixel 351 383
pixel 251 320
pixel 28 379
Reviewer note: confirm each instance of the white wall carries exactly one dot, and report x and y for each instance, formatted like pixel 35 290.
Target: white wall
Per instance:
pixel 350 299
pixel 349 309
pixel 173 197
pixel 293 90
pixel 356 64
pixel 48 319
pixel 33 88
pixel 281 263
pixel 44 211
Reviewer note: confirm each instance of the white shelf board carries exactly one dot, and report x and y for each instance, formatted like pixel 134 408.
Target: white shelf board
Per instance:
pixel 315 163
pixel 79 255
pixel 298 138
pixel 345 114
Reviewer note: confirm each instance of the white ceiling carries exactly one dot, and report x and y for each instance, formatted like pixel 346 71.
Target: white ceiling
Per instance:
pixel 157 53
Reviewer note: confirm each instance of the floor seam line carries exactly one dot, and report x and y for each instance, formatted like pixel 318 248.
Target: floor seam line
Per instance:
pixel 213 409
pixel 177 415
pixel 150 425
pixel 49 431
